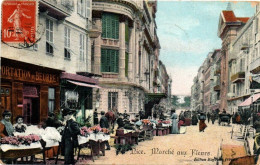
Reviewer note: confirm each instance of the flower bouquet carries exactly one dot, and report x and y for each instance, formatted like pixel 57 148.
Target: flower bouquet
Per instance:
pixel 146 122
pixel 96 129
pixel 19 140
pixel 166 122
pixel 84 131
pixel 105 131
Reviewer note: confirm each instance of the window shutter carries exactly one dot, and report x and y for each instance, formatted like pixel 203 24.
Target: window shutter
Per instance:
pixel 116 60
pixel 108 60
pixel 109 28
pixel 78 6
pixel 88 13
pixel 117 27
pixel 103 60
pixel 104 22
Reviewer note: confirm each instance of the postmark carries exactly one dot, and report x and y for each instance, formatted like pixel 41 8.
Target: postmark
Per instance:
pixel 19 22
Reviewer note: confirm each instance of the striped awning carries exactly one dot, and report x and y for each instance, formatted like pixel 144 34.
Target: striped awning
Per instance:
pixel 250 100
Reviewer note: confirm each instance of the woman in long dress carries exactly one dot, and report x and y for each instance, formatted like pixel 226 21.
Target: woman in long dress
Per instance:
pixel 174 118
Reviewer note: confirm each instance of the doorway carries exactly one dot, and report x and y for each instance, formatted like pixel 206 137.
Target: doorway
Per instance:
pixel 31 110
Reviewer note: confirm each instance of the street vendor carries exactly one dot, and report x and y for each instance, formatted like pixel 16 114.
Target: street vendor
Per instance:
pixel 19 126
pixel 104 124
pixel 120 121
pixel 52 121
pixel 69 136
pixel 6 127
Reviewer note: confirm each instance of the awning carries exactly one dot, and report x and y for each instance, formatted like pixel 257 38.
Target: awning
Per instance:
pixel 249 101
pixel 83 84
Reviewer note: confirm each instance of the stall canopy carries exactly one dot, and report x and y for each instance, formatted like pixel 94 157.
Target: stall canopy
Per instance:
pixel 83 84
pixel 249 101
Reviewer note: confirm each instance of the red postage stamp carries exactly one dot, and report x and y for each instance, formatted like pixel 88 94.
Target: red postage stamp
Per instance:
pixel 18 21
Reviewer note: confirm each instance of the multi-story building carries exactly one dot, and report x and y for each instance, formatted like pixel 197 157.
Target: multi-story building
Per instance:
pixel 215 70
pixel 207 82
pixel 239 61
pixel 228 28
pixel 36 79
pixel 124 54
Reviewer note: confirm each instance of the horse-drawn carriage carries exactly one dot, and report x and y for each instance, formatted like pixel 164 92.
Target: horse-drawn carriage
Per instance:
pixel 224 118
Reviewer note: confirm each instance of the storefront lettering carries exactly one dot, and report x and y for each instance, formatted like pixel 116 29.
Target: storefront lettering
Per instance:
pixel 28 75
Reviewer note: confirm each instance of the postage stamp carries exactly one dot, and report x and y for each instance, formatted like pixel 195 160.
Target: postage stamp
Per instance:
pixel 19 21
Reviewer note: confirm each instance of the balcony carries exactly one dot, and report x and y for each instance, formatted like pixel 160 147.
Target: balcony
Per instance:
pixel 238 77
pixel 255 66
pixel 57 9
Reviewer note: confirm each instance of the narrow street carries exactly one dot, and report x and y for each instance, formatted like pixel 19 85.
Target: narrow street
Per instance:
pixel 194 147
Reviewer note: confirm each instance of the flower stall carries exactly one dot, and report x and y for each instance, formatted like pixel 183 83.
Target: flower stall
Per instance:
pixel 13 147
pixel 94 138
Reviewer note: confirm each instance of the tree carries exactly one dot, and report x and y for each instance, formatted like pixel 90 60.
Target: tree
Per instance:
pixel 186 101
pixel 175 100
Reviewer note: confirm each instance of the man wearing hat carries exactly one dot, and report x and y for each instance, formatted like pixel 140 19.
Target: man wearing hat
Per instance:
pixel 70 135
pixel 104 124
pixel 6 127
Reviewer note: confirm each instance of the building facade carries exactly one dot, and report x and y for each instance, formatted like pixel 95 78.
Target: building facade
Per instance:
pixel 125 54
pixel 44 77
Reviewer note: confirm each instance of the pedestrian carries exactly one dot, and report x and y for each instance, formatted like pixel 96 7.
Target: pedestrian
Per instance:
pixel 6 127
pixel 104 124
pixel 194 118
pixel 95 115
pixel 52 121
pixel 202 124
pixel 70 135
pixel 174 118
pixel 208 116
pixel 19 126
pixel 213 118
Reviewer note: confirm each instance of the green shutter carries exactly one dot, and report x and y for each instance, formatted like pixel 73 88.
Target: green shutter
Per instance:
pixel 112 60
pixel 126 64
pixel 117 27
pixel 104 23
pixel 103 60
pixel 110 26
pixel 117 60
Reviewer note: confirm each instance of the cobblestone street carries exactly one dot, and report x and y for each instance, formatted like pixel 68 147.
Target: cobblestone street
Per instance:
pixel 194 147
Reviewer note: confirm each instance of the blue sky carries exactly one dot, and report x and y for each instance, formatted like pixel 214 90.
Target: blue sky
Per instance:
pixel 187 32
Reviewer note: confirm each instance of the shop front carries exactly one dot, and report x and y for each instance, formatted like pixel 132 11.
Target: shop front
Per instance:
pixel 77 94
pixel 29 90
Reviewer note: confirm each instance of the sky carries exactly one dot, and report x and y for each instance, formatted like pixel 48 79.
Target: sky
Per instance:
pixel 187 32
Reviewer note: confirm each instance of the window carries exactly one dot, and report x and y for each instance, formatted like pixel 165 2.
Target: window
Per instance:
pixel 49 36
pixel 110 26
pixel 83 8
pixel 81 47
pixel 112 100
pixel 88 2
pixel 67 43
pixel 51 99
pixel 109 60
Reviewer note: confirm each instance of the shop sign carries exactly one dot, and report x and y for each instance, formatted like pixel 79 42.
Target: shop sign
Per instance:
pixel 26 75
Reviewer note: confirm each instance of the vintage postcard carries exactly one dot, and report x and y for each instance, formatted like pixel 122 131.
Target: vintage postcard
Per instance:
pixel 130 82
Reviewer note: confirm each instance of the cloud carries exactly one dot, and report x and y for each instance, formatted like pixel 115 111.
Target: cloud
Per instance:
pixel 182 79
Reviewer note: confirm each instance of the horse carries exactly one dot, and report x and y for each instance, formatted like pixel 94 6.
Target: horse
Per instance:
pixel 111 116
